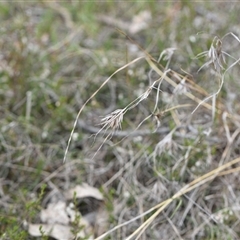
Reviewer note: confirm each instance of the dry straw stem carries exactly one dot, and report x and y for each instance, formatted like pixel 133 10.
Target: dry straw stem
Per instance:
pixel 176 107
pixel 187 188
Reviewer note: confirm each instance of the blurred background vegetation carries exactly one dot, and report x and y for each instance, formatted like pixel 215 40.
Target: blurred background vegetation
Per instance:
pixel 55 54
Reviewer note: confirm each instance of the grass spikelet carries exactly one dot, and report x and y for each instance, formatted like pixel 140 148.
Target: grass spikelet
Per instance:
pixel 113 120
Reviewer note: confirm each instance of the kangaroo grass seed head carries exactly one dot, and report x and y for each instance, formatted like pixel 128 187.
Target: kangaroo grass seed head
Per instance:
pixel 113 120
pixel 215 55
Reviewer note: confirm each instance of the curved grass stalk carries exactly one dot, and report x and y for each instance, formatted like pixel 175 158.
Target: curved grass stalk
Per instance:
pixel 92 96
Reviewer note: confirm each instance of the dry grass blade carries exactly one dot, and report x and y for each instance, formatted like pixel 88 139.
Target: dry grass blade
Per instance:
pixel 113 120
pixel 215 55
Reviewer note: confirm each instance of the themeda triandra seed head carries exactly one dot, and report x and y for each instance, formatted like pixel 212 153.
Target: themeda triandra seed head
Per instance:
pixel 113 120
